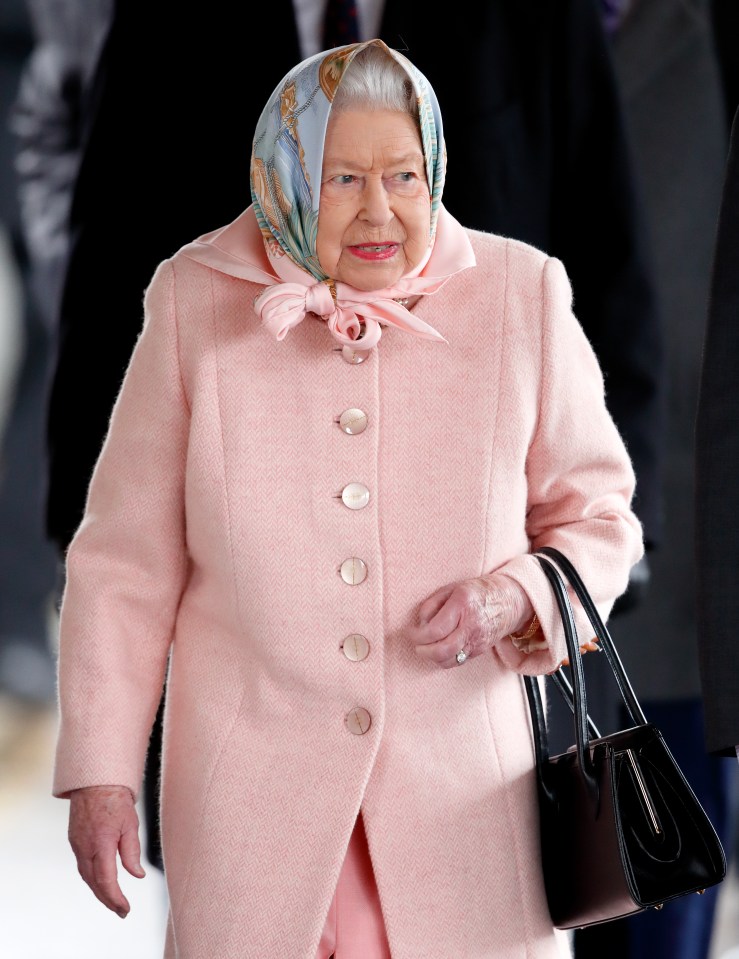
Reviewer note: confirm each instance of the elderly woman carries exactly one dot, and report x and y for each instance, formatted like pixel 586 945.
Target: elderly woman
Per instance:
pixel 346 425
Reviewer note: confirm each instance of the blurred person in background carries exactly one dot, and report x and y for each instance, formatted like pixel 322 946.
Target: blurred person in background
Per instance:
pixel 671 85
pixel 15 43
pixel 28 561
pixel 717 491
pixel 47 120
pixel 725 16
pixel 531 105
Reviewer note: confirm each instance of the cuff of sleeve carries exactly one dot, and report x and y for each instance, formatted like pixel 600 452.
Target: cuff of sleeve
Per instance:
pixel 526 573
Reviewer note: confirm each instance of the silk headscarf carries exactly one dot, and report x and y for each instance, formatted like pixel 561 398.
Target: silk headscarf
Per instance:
pixel 286 164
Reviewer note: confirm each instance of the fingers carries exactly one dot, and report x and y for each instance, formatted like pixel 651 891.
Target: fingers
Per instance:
pixel 444 652
pixel 101 876
pixel 441 633
pixel 431 606
pixel 130 852
pixel 445 627
pixel 98 869
pixel 589 647
pixel 444 620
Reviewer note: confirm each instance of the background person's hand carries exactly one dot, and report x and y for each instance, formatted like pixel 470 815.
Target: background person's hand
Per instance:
pixel 102 823
pixel 472 615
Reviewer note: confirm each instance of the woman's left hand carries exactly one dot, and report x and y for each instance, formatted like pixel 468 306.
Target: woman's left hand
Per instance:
pixel 472 615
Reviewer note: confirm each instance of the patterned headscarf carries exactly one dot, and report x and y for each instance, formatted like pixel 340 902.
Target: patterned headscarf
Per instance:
pixel 287 154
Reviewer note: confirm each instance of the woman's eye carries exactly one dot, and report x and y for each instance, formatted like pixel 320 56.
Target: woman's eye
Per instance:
pixel 406 182
pixel 343 178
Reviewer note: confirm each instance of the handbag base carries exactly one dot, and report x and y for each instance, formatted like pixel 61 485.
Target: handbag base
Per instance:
pixel 642 841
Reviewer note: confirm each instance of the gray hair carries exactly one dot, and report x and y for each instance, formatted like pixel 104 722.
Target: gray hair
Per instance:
pixel 374 80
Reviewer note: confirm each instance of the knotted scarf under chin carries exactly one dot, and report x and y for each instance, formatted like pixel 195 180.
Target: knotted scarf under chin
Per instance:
pixel 352 316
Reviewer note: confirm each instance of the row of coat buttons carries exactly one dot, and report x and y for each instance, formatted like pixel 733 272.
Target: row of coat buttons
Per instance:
pixel 354 570
pixel 355 496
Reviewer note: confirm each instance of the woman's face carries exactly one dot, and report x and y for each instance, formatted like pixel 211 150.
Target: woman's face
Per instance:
pixel 375 212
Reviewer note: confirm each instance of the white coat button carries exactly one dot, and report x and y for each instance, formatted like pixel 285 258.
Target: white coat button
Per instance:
pixel 355 647
pixel 354 571
pixel 353 421
pixel 355 496
pixel 350 355
pixel 358 721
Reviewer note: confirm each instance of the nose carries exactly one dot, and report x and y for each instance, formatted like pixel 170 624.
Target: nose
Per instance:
pixel 376 208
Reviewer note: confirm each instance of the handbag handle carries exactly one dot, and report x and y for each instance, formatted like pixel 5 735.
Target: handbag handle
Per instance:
pixel 580 711
pixel 565 690
pixel 599 628
pixel 575 696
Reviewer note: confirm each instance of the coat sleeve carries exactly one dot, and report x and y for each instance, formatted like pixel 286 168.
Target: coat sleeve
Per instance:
pixel 126 566
pixel 580 480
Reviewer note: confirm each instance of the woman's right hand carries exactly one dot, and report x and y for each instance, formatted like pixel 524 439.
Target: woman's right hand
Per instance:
pixel 102 823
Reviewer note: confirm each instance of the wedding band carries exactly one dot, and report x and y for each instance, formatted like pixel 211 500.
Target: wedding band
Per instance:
pixel 461 656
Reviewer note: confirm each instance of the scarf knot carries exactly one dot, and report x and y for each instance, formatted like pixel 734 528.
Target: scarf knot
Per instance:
pixel 320 300
pixel 355 317
pixel 285 305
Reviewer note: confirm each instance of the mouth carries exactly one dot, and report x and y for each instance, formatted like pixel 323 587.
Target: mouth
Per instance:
pixel 374 251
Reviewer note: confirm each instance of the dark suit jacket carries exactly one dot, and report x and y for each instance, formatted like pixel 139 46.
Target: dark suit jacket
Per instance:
pixel 674 107
pixel 536 151
pixel 717 488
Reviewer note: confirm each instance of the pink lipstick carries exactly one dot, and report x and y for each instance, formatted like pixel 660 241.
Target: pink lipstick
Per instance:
pixel 375 251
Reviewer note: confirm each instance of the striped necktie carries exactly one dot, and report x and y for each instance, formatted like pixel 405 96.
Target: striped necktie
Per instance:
pixel 340 24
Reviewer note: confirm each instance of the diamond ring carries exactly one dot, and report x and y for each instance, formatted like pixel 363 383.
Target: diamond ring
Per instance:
pixel 461 656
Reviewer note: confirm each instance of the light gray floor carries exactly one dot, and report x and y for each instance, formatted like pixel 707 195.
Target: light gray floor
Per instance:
pixel 46 911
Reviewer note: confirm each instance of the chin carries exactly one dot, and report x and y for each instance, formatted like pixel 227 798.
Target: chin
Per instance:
pixel 368 280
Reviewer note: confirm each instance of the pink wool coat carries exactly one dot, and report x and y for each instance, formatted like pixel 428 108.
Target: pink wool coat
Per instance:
pixel 214 535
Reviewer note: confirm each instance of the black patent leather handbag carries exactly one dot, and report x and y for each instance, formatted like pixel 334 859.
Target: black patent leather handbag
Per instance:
pixel 621 829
